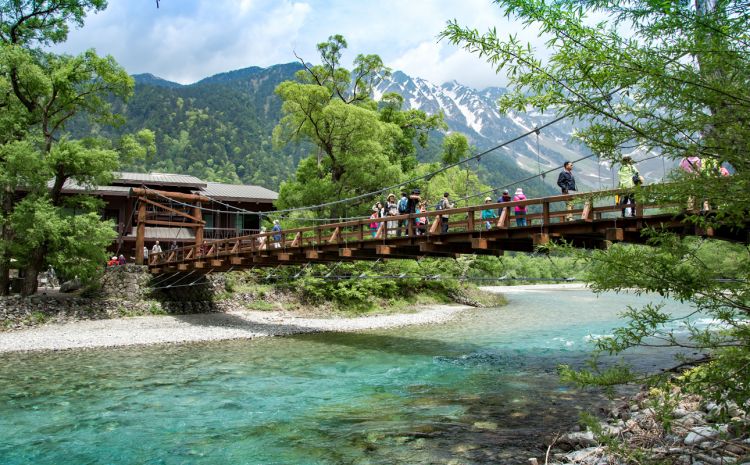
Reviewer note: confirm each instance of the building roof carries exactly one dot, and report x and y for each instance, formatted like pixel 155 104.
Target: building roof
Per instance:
pixel 217 190
pixel 162 179
pixel 238 192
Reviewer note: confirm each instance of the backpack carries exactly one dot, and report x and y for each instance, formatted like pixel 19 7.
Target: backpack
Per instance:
pixel 403 205
pixel 439 205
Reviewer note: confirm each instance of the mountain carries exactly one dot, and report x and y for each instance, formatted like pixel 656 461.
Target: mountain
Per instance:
pixel 475 114
pixel 220 129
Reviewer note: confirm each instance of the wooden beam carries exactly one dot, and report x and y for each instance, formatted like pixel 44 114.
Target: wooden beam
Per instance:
pixel 504 221
pixel 297 240
pixel 586 215
pixel 479 243
pixel 182 267
pixel 170 209
pixel 197 212
pixel 311 254
pixel 199 265
pixel 217 263
pixel 174 223
pixel 284 257
pixel 140 234
pixel 236 260
pixel 540 238
pixel 381 230
pixel 139 192
pixel 435 226
pixel 614 234
pixel 345 252
pixel 382 249
pixel 154 270
pixel 335 237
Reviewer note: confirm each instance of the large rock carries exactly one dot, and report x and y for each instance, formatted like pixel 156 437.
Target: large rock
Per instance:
pixel 701 434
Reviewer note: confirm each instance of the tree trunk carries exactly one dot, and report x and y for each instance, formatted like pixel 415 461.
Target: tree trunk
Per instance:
pixel 32 270
pixel 4 279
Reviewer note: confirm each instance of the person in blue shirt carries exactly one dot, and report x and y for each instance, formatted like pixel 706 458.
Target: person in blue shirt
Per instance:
pixel 277 234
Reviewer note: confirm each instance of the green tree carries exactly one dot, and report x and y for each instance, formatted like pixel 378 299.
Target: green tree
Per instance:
pixel 678 83
pixel 43 91
pixel 357 148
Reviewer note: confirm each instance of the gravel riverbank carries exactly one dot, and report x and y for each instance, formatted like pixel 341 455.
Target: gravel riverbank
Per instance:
pixel 239 324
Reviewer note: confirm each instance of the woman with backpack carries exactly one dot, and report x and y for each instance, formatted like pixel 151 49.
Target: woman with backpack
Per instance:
pixel 421 221
pixel 629 178
pixel 520 209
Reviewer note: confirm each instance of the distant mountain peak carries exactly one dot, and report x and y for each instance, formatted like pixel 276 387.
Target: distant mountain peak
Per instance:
pixel 150 79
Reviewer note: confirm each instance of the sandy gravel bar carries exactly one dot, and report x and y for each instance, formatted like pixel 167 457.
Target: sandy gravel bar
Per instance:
pixel 535 288
pixel 203 327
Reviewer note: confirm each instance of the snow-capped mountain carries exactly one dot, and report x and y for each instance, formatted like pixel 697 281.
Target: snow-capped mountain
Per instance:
pixel 475 114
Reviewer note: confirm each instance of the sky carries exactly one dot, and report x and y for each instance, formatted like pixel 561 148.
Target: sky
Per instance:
pixel 187 40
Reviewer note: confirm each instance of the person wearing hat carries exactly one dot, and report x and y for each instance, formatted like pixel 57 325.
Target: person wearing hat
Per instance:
pixel 567 182
pixel 391 209
pixel 628 178
pixel 520 209
pixel 262 239
pixel 112 262
pixel 374 216
pixel 505 197
pixel 488 214
pixel 277 234
pixel 445 204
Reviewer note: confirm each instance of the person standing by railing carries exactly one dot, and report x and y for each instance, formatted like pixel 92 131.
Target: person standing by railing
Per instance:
pixel 277 234
pixel 567 183
pixel 445 204
pixel 628 177
pixel 488 215
pixel 520 209
pixel 391 209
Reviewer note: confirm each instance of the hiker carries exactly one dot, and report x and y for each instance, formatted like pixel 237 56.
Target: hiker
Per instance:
pixel 121 260
pixel 403 209
pixel 173 246
pixel 444 204
pixel 567 183
pixel 505 197
pixel 488 215
pixel 391 209
pixel 421 222
pixel 145 254
pixel 374 216
pixel 520 209
pixel 112 262
pixel 277 234
pixel 628 177
pixel 411 204
pixel 156 248
pixel 691 165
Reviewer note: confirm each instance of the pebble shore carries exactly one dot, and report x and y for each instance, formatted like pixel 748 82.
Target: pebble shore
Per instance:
pixel 238 324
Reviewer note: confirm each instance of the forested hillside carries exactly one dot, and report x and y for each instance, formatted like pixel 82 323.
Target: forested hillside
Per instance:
pixel 220 129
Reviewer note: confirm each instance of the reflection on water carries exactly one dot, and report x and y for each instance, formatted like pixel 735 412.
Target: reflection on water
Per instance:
pixel 482 389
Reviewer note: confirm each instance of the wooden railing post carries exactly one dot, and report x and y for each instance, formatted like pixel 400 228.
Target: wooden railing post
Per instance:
pixel 140 234
pixel 545 214
pixel 470 221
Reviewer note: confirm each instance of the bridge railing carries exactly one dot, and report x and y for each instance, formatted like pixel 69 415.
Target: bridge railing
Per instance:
pixel 587 207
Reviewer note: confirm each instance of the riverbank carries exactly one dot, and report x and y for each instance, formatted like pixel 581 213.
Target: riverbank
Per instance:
pixel 235 324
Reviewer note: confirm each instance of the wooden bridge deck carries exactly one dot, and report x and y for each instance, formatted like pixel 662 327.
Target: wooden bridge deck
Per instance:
pixel 592 227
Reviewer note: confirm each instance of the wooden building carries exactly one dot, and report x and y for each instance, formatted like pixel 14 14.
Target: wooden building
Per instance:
pixel 225 214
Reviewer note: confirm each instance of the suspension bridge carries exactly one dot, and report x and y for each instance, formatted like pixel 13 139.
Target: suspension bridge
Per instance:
pixel 593 222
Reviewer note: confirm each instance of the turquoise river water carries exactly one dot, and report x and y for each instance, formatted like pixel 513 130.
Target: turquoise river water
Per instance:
pixel 481 389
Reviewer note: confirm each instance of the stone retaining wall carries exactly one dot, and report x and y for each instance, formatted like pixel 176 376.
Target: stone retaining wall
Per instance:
pixel 127 290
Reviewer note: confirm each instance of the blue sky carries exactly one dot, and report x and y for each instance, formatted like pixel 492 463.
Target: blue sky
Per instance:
pixel 187 40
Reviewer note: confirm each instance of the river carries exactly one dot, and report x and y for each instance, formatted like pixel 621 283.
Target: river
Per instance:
pixel 481 389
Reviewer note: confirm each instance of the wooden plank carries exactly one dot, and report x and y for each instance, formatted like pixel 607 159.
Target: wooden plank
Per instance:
pixel 174 223
pixel 217 263
pixel 335 237
pixel 614 234
pixel 140 234
pixel 540 238
pixel 199 265
pixel 235 247
pixel 236 260
pixel 479 243
pixel 311 254
pixel 345 252
pixel 586 215
pixel 171 210
pixel 435 227
pixel 504 221
pixel 182 267
pixel 284 257
pixel 297 240
pixel 382 249
pixel 154 270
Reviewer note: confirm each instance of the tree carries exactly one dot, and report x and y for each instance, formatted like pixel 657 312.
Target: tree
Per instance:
pixel 43 91
pixel 358 148
pixel 677 84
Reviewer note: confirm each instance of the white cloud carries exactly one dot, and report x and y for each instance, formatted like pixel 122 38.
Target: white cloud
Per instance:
pixel 187 40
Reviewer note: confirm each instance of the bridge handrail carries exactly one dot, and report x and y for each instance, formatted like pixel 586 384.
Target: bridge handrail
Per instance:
pixel 324 231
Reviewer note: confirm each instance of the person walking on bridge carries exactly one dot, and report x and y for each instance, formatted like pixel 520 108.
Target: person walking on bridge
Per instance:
pixel 628 178
pixel 567 183
pixel 445 204
pixel 520 210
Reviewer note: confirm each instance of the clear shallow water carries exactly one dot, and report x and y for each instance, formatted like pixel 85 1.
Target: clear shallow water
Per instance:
pixel 482 389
